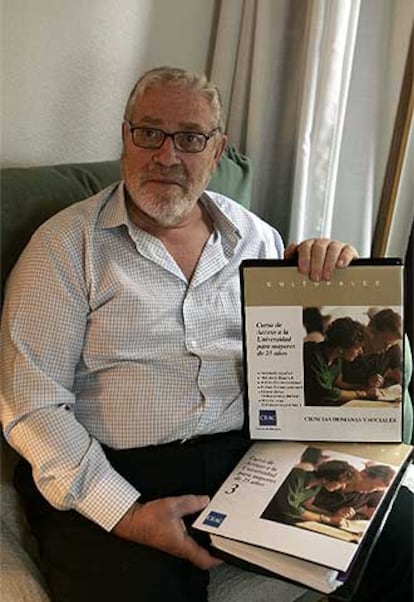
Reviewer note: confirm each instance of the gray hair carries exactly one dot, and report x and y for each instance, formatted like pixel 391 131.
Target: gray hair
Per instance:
pixel 162 75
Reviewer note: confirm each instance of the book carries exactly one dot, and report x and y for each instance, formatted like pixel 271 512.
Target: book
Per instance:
pixel 307 512
pixel 343 379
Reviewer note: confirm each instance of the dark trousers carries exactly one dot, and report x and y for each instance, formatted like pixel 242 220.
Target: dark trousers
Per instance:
pixel 84 563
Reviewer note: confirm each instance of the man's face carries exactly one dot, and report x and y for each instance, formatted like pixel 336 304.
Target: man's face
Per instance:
pixel 351 353
pixel 368 484
pixel 164 184
pixel 334 485
pixel 381 341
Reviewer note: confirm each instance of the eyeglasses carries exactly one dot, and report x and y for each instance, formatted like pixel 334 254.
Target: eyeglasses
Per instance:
pixel 185 142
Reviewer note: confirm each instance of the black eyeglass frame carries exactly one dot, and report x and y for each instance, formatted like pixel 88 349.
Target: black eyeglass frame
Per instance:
pixel 171 135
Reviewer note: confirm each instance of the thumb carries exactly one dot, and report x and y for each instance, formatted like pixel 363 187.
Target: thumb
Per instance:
pixel 290 250
pixel 190 504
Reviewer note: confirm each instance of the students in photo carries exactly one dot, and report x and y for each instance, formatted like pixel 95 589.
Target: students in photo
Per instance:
pixel 360 496
pixel 313 323
pixel 311 458
pixel 380 364
pixel 324 382
pixel 294 500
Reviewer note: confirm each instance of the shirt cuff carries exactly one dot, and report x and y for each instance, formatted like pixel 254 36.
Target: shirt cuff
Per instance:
pixel 108 501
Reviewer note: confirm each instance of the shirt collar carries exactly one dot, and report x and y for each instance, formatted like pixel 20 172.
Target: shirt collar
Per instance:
pixel 114 214
pixel 221 221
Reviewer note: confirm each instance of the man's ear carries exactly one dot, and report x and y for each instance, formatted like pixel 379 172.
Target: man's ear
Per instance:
pixel 220 148
pixel 125 131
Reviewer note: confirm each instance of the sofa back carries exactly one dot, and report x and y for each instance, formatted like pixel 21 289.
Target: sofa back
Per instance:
pixel 32 195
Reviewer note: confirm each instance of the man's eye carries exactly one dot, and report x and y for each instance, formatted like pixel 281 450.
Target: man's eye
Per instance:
pixel 191 138
pixel 150 133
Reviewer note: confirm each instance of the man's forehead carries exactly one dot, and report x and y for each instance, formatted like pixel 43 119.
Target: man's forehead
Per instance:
pixel 163 102
pixel 154 121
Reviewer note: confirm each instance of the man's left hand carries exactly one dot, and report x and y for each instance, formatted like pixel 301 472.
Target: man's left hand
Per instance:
pixel 318 257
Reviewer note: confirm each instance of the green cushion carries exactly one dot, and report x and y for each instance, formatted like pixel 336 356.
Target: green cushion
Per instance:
pixel 233 177
pixel 31 195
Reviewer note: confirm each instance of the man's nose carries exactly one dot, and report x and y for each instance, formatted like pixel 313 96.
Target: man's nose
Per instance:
pixel 167 154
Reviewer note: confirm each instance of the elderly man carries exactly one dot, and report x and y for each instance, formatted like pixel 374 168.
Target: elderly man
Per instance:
pixel 122 356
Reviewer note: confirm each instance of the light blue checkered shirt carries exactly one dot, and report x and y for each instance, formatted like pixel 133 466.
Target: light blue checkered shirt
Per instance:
pixel 104 340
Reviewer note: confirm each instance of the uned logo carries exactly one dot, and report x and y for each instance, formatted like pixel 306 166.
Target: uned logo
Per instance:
pixel 214 519
pixel 267 418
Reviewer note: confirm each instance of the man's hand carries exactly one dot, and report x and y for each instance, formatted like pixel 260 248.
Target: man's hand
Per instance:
pixel 338 519
pixel 393 374
pixel 346 512
pixel 159 524
pixel 372 393
pixel 375 381
pixel 318 257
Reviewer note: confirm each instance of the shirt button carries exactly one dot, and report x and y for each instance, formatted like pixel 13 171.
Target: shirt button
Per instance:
pixel 193 344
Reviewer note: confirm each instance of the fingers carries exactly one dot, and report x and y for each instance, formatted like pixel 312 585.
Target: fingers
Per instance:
pixel 159 524
pixel 290 250
pixel 191 550
pixel 376 381
pixel 189 504
pixel 350 512
pixel 318 257
pixel 188 548
pixel 198 555
pixel 346 254
pixel 346 512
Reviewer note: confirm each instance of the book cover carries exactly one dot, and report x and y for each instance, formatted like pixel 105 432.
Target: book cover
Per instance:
pixel 305 510
pixel 323 360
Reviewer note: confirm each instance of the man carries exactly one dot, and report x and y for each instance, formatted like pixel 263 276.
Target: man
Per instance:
pixel 380 365
pixel 122 357
pixel 361 494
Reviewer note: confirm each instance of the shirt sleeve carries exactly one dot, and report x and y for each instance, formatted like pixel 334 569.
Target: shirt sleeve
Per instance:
pixel 320 378
pixel 393 358
pixel 288 503
pixel 43 328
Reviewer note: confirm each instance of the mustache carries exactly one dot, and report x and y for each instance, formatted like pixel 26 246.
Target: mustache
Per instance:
pixel 175 172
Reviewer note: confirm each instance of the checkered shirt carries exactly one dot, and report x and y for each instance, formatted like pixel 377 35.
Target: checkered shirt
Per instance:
pixel 105 341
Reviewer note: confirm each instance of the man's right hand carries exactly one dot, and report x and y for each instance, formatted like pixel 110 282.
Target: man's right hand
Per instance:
pixel 159 524
pixel 372 393
pixel 345 512
pixel 375 381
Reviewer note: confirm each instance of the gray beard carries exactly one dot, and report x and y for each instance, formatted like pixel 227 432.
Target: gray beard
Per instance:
pixel 169 212
pixel 166 210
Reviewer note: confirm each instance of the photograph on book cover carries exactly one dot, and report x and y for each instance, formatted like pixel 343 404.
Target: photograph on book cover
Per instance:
pixel 324 360
pixel 330 493
pixel 313 501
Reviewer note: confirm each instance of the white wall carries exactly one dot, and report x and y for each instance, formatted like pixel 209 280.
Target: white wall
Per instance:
pixel 67 68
